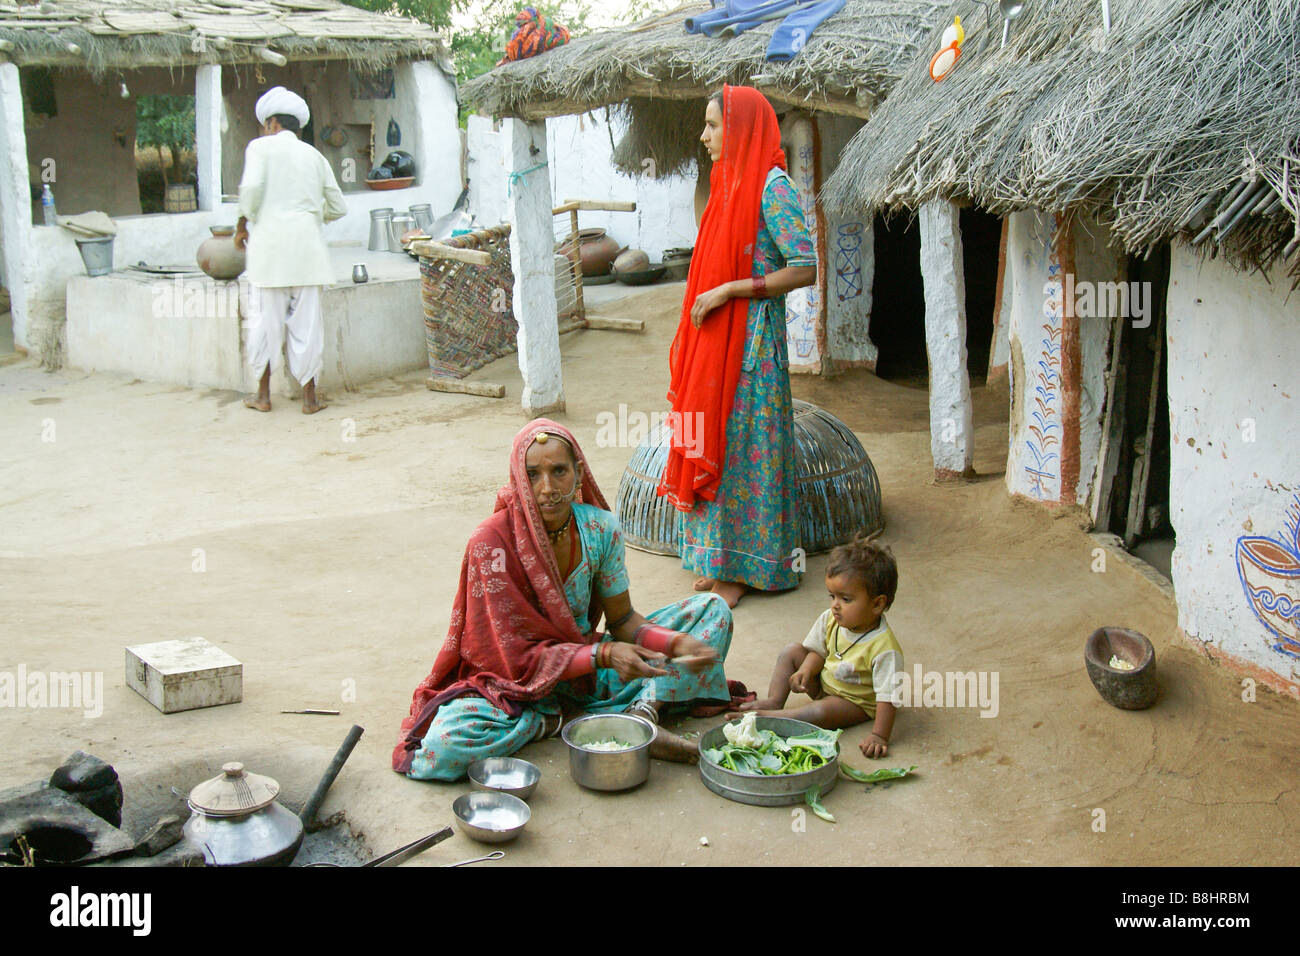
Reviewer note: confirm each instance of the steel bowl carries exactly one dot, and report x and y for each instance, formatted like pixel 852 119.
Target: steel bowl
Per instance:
pixel 509 775
pixel 766 791
pixel 490 816
pixel 609 770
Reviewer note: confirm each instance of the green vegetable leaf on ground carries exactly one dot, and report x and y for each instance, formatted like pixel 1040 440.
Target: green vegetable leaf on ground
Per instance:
pixel 814 799
pixel 876 776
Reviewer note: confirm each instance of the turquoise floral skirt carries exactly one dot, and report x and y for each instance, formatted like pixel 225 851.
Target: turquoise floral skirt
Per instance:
pixel 469 728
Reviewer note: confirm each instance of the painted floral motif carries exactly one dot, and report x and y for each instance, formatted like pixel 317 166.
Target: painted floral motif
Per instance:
pixel 1269 572
pixel 1045 411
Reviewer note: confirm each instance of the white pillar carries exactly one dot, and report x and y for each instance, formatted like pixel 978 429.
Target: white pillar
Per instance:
pixel 532 258
pixel 207 134
pixel 805 320
pixel 951 432
pixel 15 201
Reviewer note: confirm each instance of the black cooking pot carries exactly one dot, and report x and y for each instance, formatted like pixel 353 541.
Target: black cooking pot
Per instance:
pixel 401 163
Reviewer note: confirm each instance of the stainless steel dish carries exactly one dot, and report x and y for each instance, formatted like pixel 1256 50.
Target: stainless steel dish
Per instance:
pixel 765 791
pixel 490 816
pixel 519 778
pixel 609 770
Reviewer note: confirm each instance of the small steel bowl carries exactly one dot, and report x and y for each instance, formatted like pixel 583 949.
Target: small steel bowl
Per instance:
pixel 609 770
pixel 509 775
pixel 490 816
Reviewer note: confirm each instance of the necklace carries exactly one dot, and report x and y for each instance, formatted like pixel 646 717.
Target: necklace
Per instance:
pixel 555 535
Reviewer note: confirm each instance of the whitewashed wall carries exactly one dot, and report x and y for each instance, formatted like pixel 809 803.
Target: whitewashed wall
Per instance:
pixel 46 256
pixel 1234 399
pixel 1034 452
pixel 1039 351
pixel 580 168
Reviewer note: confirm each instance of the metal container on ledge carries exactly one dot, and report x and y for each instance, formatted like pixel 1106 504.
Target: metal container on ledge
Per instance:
pixel 379 220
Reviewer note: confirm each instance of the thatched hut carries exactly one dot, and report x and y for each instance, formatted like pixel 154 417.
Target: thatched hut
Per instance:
pixel 70 80
pixel 1147 176
pixel 659 77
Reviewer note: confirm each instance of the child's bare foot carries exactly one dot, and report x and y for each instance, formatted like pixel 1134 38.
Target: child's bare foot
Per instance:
pixel 704 584
pixel 668 746
pixel 729 591
pixel 257 403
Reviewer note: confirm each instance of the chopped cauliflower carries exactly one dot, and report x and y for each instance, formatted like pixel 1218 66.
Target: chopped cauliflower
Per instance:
pixel 743 733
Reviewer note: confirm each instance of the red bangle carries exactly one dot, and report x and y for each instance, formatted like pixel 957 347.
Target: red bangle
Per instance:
pixel 655 638
pixel 759 290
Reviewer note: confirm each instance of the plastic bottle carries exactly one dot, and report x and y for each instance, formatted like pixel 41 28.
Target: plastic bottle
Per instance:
pixel 47 204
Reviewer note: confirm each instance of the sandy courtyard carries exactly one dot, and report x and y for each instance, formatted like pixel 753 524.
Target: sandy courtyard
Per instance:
pixel 330 548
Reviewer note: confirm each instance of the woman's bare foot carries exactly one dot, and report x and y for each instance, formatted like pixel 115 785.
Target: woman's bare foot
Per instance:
pixel 258 403
pixel 668 746
pixel 762 705
pixel 729 591
pixel 704 584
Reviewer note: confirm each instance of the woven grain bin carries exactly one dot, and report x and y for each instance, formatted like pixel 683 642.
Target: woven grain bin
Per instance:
pixel 839 494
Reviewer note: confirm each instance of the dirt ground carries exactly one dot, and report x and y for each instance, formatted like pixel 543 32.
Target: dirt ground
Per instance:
pixel 329 567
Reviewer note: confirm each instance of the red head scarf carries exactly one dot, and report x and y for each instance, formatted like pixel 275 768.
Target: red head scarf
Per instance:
pixel 704 364
pixel 512 633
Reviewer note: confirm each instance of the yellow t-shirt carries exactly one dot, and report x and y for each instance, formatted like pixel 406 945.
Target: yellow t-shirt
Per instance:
pixel 860 667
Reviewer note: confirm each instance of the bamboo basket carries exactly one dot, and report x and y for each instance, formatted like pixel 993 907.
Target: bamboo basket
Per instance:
pixel 839 493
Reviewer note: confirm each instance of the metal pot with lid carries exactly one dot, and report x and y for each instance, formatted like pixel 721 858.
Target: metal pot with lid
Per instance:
pixel 236 821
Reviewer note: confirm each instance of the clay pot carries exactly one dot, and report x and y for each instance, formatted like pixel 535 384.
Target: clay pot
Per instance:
pixel 1270 576
pixel 1128 690
pixel 595 251
pixel 631 260
pixel 217 255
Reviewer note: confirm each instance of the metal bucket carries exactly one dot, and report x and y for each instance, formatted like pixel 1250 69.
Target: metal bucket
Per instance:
pixel 839 493
pixel 398 226
pixel 379 219
pixel 97 254
pixel 422 213
pixel 766 791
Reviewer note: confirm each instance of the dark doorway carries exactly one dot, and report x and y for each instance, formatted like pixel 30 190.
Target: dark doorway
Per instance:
pixel 981 240
pixel 898 302
pixel 1133 500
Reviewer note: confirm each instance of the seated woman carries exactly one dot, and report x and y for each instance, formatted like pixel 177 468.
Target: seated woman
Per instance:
pixel 522 651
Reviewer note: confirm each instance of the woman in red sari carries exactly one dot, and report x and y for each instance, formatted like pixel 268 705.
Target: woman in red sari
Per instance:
pixel 522 650
pixel 731 469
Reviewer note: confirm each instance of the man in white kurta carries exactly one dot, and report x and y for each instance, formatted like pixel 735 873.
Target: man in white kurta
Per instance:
pixel 288 192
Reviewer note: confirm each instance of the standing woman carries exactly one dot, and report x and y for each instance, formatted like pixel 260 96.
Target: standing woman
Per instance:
pixel 731 469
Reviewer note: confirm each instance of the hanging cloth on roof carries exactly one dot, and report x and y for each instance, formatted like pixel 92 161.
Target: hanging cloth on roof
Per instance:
pixel 533 34
pixel 740 14
pixel 801 17
pixel 795 30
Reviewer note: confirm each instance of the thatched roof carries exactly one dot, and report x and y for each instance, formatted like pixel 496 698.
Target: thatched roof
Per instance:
pixel 848 65
pixel 124 34
pixel 1186 115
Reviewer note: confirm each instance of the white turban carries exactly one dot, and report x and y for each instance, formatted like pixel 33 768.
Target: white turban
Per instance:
pixel 279 101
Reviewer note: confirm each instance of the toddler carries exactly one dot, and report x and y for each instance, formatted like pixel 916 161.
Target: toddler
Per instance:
pixel 847 662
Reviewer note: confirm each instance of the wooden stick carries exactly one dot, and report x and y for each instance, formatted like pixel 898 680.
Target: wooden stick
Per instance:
pixel 439 250
pixel 481 389
pixel 615 325
pixel 591 205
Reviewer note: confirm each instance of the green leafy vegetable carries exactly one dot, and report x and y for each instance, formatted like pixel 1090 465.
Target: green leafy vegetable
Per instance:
pixel 876 776
pixel 758 752
pixel 814 799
